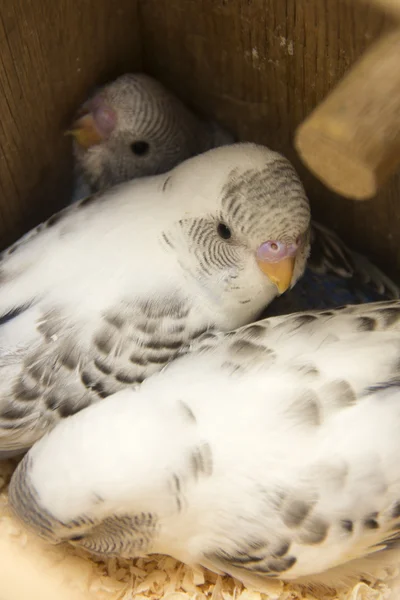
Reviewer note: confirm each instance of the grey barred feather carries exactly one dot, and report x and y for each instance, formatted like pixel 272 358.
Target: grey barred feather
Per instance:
pixel 146 112
pixel 109 290
pixel 278 179
pixel 60 377
pixel 266 452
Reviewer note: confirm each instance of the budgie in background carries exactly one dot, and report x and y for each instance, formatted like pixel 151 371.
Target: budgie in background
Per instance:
pixel 269 452
pixel 135 127
pixel 109 290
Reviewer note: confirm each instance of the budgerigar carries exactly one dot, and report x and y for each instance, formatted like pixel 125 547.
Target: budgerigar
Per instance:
pixel 271 451
pixel 107 291
pixel 135 127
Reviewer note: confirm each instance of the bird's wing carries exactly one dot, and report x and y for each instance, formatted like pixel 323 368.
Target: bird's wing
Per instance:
pixel 329 254
pixel 325 388
pixel 72 331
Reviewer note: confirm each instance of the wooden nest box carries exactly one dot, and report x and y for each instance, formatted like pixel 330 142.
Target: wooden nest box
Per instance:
pixel 318 80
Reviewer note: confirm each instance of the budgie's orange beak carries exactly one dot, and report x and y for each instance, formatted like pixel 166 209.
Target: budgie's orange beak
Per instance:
pixel 85 132
pixel 94 123
pixel 280 273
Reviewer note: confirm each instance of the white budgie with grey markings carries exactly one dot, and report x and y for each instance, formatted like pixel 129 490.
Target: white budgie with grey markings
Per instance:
pixel 135 127
pixel 107 291
pixel 268 452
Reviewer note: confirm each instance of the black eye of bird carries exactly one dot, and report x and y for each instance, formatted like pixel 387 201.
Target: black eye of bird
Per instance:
pixel 224 231
pixel 140 148
pixel 76 538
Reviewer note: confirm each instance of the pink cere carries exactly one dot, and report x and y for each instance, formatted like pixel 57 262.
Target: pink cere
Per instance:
pixel 274 251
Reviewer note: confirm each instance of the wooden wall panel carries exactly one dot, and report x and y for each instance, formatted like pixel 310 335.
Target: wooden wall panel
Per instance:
pixel 260 66
pixel 51 53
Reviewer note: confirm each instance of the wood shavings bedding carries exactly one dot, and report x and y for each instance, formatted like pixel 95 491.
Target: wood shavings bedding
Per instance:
pixel 33 570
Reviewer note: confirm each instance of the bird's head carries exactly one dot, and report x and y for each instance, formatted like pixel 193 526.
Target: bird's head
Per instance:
pixel 245 229
pixel 132 127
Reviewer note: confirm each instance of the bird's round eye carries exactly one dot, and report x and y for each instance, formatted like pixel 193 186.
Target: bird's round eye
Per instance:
pixel 223 231
pixel 140 148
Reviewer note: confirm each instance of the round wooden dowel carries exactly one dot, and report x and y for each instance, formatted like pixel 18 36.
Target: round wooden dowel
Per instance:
pixel 351 141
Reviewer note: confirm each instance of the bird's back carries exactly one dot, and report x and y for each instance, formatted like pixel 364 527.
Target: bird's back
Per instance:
pixel 269 452
pixel 301 417
pixel 81 311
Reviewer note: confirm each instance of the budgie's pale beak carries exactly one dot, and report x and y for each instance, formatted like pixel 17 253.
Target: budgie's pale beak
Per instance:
pixel 85 132
pixel 280 273
pixel 276 260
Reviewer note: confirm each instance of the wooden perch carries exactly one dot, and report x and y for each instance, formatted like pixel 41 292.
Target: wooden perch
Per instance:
pixel 351 141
